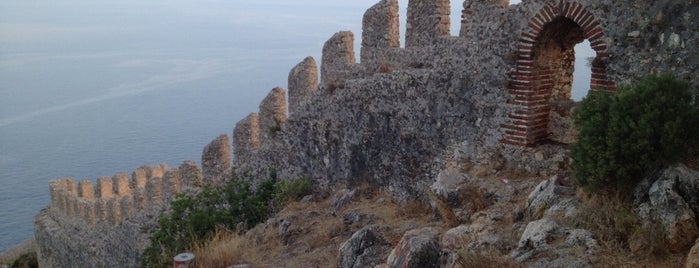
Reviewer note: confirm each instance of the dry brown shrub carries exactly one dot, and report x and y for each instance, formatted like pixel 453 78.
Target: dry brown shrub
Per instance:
pixel 485 260
pixel 623 238
pixel 472 198
pixel 445 212
pixel 221 251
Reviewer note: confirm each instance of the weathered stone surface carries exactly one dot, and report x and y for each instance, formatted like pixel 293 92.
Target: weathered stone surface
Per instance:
pixel 338 56
pixel 303 80
pixel 380 31
pixel 427 20
pixel 551 193
pixel 272 115
pixel 417 249
pixel 190 174
pixel 120 182
pixel 669 208
pixel 138 178
pixel 216 159
pixel 693 256
pixel 246 139
pixel 85 190
pixel 366 248
pixel 687 184
pixel 560 246
pixel 104 188
pixel 171 184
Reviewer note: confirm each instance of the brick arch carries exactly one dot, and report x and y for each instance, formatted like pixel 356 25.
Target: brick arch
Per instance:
pixel 530 88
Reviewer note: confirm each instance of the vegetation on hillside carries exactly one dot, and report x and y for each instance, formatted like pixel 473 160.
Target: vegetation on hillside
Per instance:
pixel 236 205
pixel 627 135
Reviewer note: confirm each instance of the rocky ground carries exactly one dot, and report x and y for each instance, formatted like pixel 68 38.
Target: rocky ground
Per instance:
pixel 478 219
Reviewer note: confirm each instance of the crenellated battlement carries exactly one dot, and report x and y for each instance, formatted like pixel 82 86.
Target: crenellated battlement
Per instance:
pixel 113 200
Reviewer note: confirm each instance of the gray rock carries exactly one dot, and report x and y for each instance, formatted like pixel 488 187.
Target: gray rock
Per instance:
pixel 365 248
pixel 669 208
pixel 548 194
pixel 417 249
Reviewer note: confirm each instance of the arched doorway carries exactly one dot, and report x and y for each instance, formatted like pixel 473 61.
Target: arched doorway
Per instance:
pixel 540 88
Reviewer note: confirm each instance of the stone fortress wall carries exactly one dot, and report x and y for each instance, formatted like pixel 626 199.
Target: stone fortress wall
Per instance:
pixel 400 116
pixel 503 85
pixel 108 223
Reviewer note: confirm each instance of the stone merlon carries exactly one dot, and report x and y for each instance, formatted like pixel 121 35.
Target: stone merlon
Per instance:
pixel 246 138
pixel 216 159
pixel 380 30
pixel 303 80
pixel 338 57
pixel 427 20
pixel 272 114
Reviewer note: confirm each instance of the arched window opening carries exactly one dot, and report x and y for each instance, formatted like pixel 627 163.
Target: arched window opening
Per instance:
pixel 584 55
pixel 554 65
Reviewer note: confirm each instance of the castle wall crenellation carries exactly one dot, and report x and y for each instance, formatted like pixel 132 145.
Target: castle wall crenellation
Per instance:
pixel 114 200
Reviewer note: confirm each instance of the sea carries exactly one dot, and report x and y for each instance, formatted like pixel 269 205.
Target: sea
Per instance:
pixel 93 88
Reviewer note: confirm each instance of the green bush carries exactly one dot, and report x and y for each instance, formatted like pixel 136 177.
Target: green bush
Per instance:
pixel 236 206
pixel 626 135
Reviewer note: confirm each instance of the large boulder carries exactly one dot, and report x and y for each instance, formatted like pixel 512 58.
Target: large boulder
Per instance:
pixel 417 249
pixel 666 206
pixel 546 243
pixel 366 248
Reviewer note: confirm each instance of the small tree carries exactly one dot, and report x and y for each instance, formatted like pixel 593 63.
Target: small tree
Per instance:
pixel 626 135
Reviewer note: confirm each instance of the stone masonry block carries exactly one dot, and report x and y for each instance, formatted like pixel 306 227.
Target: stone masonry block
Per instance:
pixel 272 114
pixel 114 211
pixel 120 182
pixel 380 30
pixel 171 184
pixel 85 190
pixel 138 178
pixel 427 20
pixel 216 158
pixel 303 80
pixel 338 56
pixel 104 188
pixel 246 139
pixel 190 174
pixel 154 188
pixel 127 207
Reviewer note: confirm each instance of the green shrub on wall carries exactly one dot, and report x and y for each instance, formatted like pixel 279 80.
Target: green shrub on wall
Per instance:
pixel 626 135
pixel 237 205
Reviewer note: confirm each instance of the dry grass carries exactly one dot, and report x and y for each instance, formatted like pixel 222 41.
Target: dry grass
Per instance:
pixel 315 233
pixel 445 212
pixel 485 260
pixel 221 251
pixel 623 239
pixel 15 252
